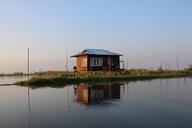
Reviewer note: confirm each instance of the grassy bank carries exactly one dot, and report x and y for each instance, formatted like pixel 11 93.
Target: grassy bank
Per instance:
pixel 62 78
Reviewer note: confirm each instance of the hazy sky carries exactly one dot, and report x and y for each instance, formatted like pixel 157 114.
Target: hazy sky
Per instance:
pixel 147 32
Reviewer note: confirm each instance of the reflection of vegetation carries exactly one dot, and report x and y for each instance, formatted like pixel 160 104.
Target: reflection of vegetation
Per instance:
pixel 37 86
pixel 62 78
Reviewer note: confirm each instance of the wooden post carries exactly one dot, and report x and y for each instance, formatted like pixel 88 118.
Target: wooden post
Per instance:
pixel 109 63
pixel 28 96
pixel 123 65
pixel 28 65
pixel 67 60
pixel 177 63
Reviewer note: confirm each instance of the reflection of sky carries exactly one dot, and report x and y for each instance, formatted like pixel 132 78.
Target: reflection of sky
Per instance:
pixel 148 32
pixel 11 79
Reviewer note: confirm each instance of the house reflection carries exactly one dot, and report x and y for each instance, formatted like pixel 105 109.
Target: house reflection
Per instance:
pixel 90 94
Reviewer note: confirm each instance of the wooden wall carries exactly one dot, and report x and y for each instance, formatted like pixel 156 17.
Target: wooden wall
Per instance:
pixel 110 63
pixel 79 64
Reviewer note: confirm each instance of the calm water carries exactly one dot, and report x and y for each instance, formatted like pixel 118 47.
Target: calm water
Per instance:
pixel 144 104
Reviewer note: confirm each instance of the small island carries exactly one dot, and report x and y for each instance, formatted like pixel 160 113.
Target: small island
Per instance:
pixel 56 78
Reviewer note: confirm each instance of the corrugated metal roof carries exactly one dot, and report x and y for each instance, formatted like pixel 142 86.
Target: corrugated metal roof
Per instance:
pixel 97 52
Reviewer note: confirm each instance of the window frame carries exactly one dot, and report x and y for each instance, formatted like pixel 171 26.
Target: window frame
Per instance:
pixel 96 61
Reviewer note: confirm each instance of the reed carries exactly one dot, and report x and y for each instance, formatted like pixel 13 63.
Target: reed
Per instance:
pixel 63 78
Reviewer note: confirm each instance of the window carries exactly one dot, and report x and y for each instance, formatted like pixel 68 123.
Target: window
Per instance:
pixel 96 61
pixel 84 62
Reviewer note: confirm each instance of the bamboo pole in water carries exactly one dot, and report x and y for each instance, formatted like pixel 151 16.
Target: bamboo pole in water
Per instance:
pixel 28 96
pixel 28 63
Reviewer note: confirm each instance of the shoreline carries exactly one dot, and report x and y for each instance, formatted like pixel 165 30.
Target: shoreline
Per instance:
pixel 40 81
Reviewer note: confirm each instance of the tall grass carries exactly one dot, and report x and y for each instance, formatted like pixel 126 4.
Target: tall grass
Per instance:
pixel 63 78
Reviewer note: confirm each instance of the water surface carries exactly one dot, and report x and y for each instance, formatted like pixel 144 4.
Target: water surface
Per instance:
pixel 144 104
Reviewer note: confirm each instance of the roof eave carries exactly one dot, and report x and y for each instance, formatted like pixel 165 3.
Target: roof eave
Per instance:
pixel 94 55
pixel 78 55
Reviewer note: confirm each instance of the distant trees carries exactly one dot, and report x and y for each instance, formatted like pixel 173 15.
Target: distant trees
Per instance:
pixel 190 67
pixel 18 73
pixel 2 74
pixel 160 69
pixel 13 74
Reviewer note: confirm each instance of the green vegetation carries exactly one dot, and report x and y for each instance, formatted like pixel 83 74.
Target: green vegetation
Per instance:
pixel 52 78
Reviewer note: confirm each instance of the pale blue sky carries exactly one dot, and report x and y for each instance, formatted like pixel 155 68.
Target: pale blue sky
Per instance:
pixel 148 32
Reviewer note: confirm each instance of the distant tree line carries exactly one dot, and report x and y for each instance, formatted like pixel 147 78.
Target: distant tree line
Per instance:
pixel 13 74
